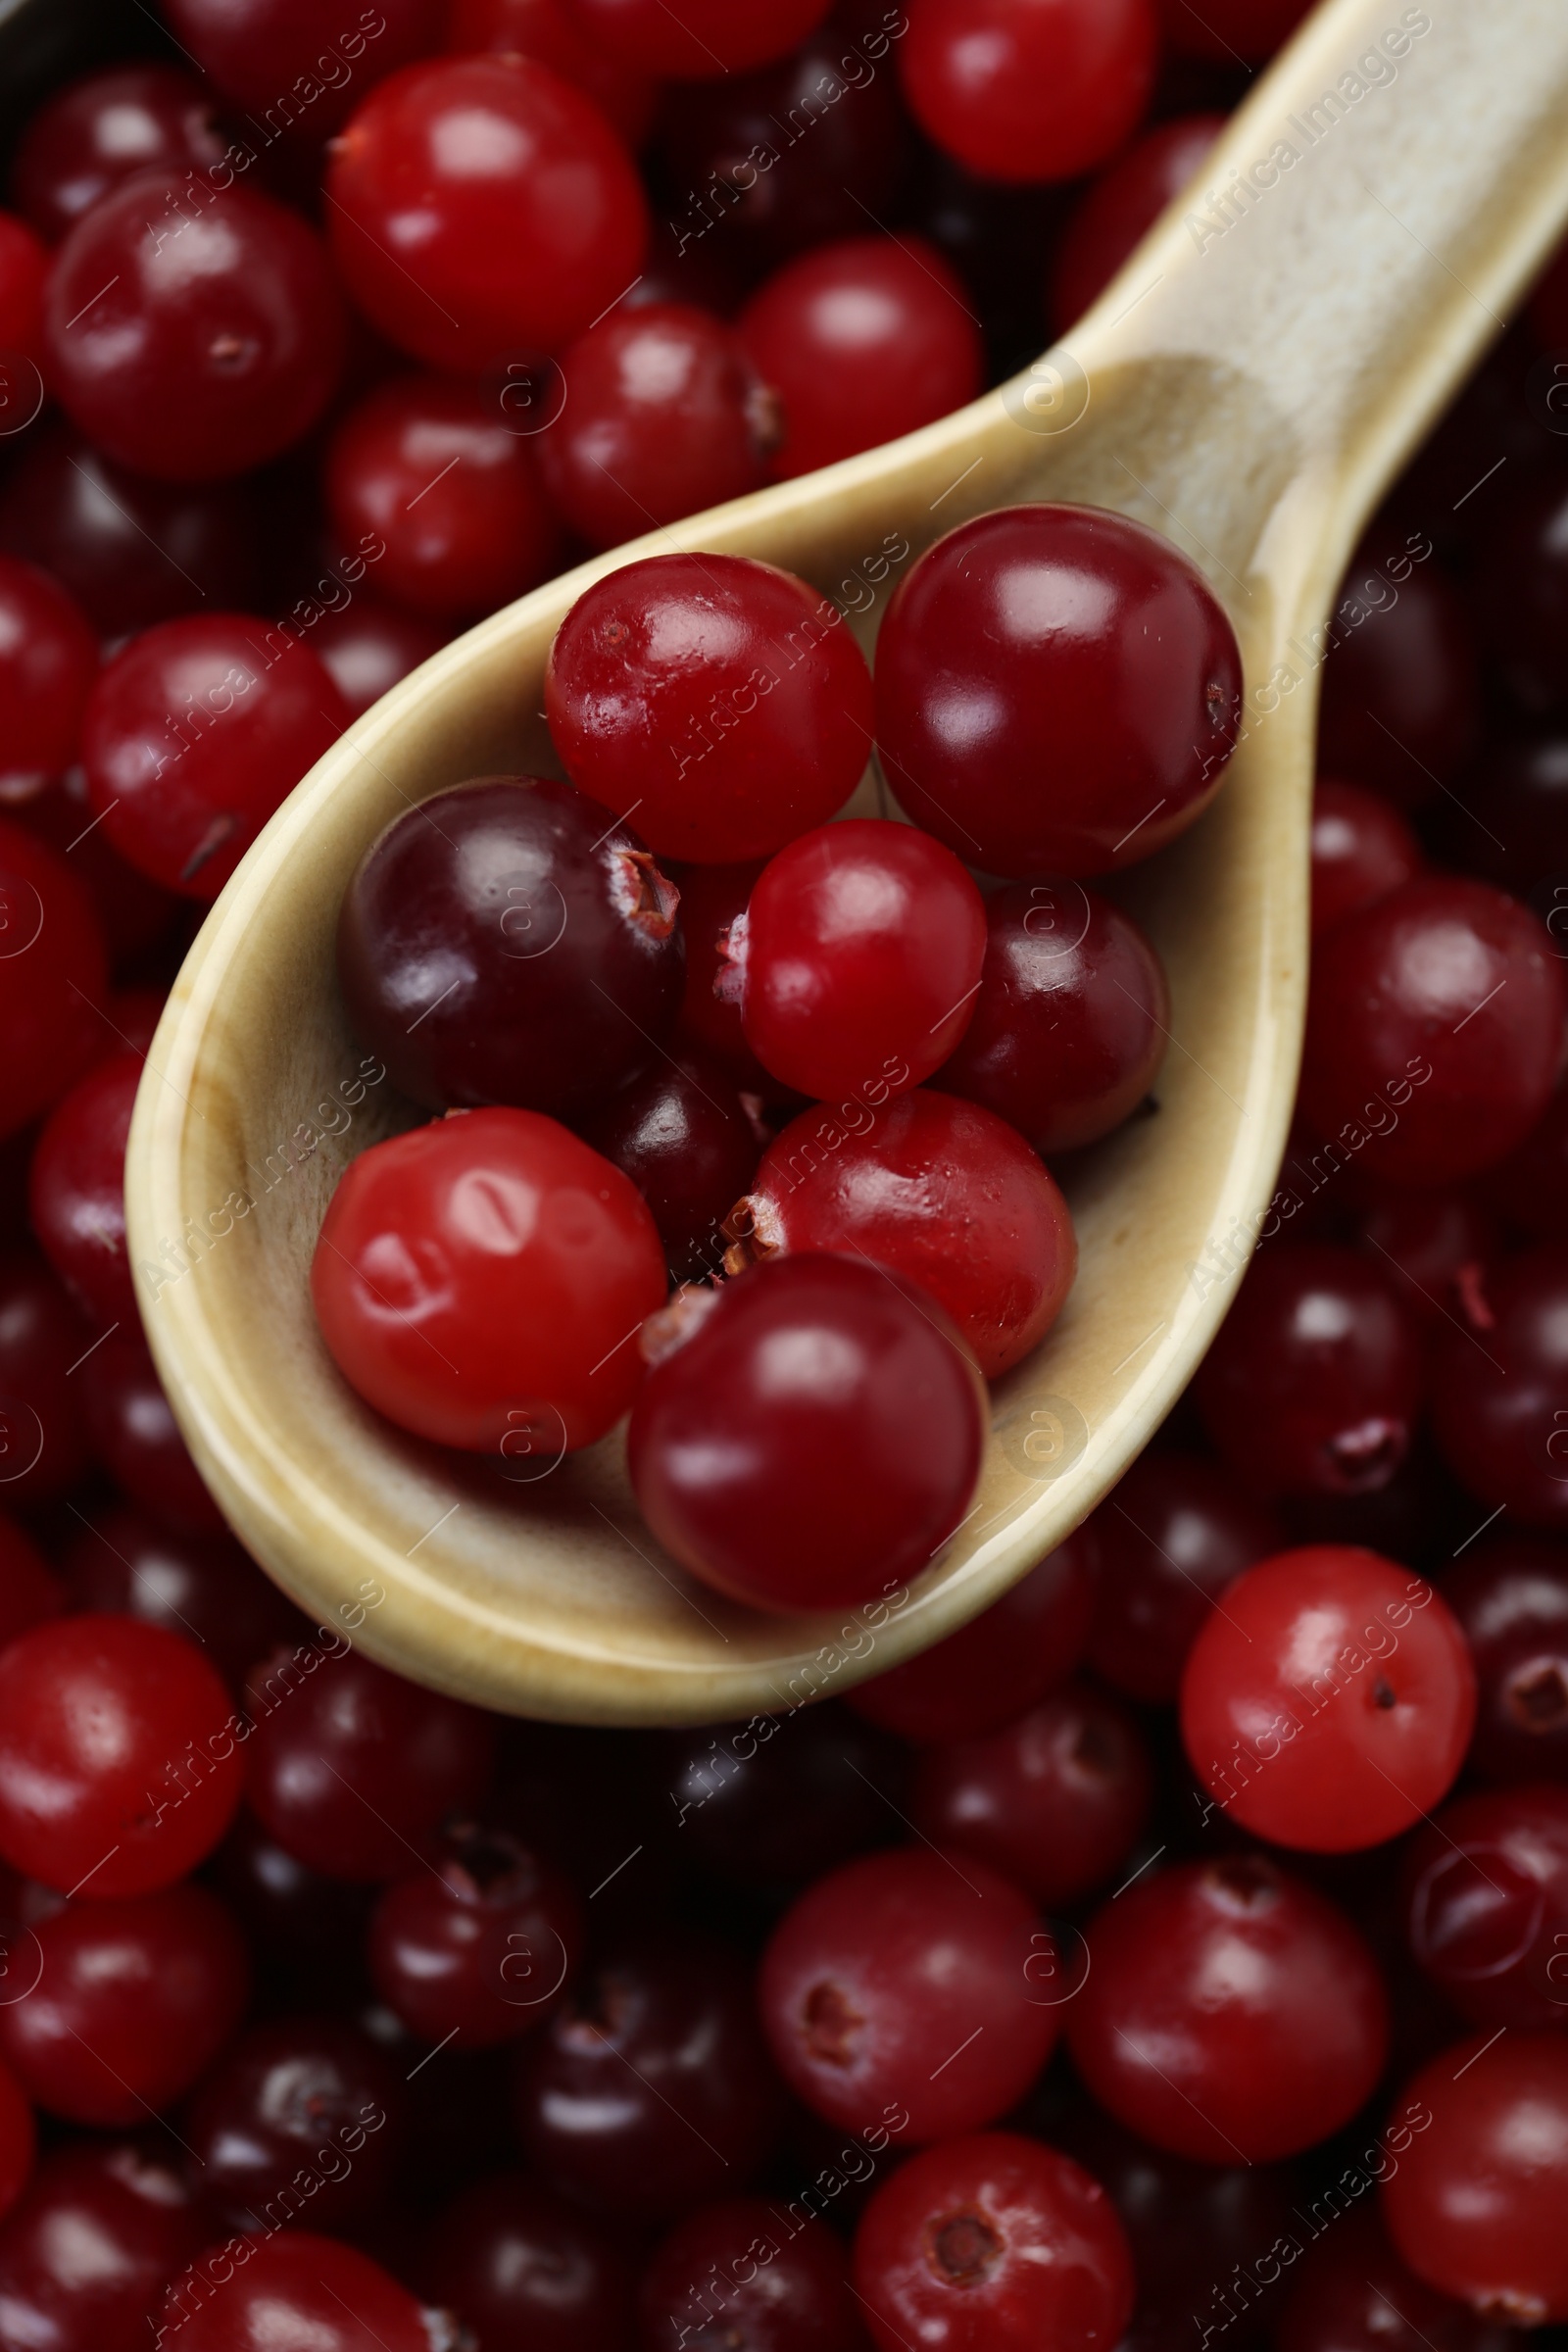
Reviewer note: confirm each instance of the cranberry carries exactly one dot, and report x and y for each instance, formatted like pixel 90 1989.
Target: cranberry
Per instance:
pixel 652 2089
pixel 939 1192
pixel 1121 206
pixel 1486 1905
pixel 79 1189
pixel 43 1445
pixel 95 132
pixel 195 733
pixel 479 1945
pixel 688 1142
pixel 482 205
pixel 136 914
pixel 48 661
pixel 549 30
pixel 23 280
pixel 1496 1390
pixel 133 2001
pixel 996 2241
pixel 1400 703
pixel 510 942
pixel 1511 826
pixel 29 1594
pixel 425 467
pixel 1361 848
pixel 308 1930
pixel 770 1802
pixel 1522 559
pixel 136 1438
pixel 814 1442
pixel 1354 2294
pixel 1230 2011
pixel 1169 1540
pixel 351 1766
pixel 711 898
pixel 720 699
pixel 482 1282
pixel 202 1587
pixel 1028 89
pixel 1099 683
pixel 738 2274
pixel 17 2142
pixel 860 342
pixel 294 2288
pixel 53 972
pixel 260 53
pixel 368 646
pixel 85 2256
pixel 198 349
pixel 1476 2205
pixel 1437 1242
pixel 302 2109
pixel 707 36
pixel 527 2269
pixel 1228 29
pixel 999 1664
pixel 1510 1595
pixel 903 1989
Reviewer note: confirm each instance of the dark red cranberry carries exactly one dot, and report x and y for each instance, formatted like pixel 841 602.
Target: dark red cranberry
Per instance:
pixel 1352 2294
pixel 652 2089
pixel 259 55
pixel 1522 559
pixel 1435 1244
pixel 480 1944
pixel 300 2119
pixel 1121 206
pixel 53 971
pixel 1498 1386
pixel 780 1799
pixel 29 1593
pixel 368 646
pixel 1229 30
pixel 85 2256
pixel 92 134
pixel 1019 92
pixel 1168 1541
pixel 527 2269
pixel 136 1438
pixel 1510 826
pixel 1485 1904
pixel 204 1586
pixel 548 30
pixel 1510 1595
pixel 23 282
pixel 44 1437
pixel 1401 703
pixel 708 38
pixel 48 661
pixel 18 2140
pixel 711 898
pixel 308 1929
pixel 78 1191
pixel 1362 848
pixel 136 914
pixel 740 2275
pixel 690 1146
pixel 1531 1186
pixel 298 2288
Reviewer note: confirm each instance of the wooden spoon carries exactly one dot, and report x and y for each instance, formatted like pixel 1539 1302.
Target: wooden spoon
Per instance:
pixel 1248 385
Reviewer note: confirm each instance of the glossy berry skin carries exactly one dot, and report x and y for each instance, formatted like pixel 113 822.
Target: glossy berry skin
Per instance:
pixel 688 1142
pixel 859 960
pixel 429 469
pixel 368 647
pixel 483 207
pixel 204 1587
pixel 652 2089
pixel 1314 1384
pixel 1071 1021
pixel 1230 2014
pixel 30 1593
pixel 477 1946
pixel 200 349
pixel 820 1360
pixel 294 2288
pixel 77 1188
pixel 723 698
pixel 1098 680
pixel 24 277
pixel 509 942
pixel 44 1437
pixel 997 1665
pixel 859 342
pixel 494 1242
pixel 1400 998
pixel 1362 848
pixel 134 2000
pixel 1510 1595
pixel 1121 206
pixel 526 2268
pixel 1485 1904
pixel 711 898
pixel 194 734
pixel 736 2273
pixel 120 1765
pixel 1053 1801
pixel 550 31
pixel 299 2095
pixel 1328 1702
pixel 1352 2294
pixel 707 37
pixel 48 661
pixel 663 418
pixel 879 1972
pixel 89 137
pixel 1026 90
pixel 1498 1419
pixel 1401 701
pixel 1476 2207
pixel 263 48
pixel 53 971
pixel 1435 1244
pixel 136 1438
pixel 942 1194
pixel 85 2253
pixel 1168 1541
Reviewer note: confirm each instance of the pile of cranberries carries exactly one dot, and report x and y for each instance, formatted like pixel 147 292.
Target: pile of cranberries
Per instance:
pixel 1175 1958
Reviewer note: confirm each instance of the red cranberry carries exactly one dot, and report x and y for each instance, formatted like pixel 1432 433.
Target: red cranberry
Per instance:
pixel 687 1140
pixel 136 914
pixel 204 1586
pixel 711 898
pixel 1435 1243
pixel 79 1189
pixel 780 1800
pixel 479 1945
pixel 95 132
pixel 550 32
pixel 707 37
pixel 260 53
pixel 1228 29
pixel 1028 89
pixel 526 2269
pixel 1498 1386
pixel 53 972
pixel 721 700
pixel 1121 206
pixel 992 2240
pixel 739 2274
pixel 23 280
pixel 307 1930
pixel 136 1438
pixel 43 1443
pixel 368 647
pixel 1361 848
pixel 482 205
pixel 296 2288
pixel 1354 2294
pixel 1511 826
pixel 1401 702
pixel 17 2142
pixel 1510 1595
pixel 29 1594
pixel 1169 1540
pixel 85 2256
pixel 1230 2012
pixel 1522 559
pixel 48 661
pixel 1531 1186
pixel 1100 739
pixel 816 1440
pixel 303 2118
pixel 1486 1892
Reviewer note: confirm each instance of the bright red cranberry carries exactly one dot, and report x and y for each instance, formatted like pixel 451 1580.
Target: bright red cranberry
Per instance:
pixel 29 1593
pixel 768 1803
pixel 526 2269
pixel 136 1438
pixel 904 1989
pixel 43 1440
pixel 1121 206
pixel 77 1188
pixel 1169 1540
pixel 939 1192
pixel 85 2256
pixel 1327 1703
pixel 510 942
pixel 134 2000
pixel 1433 1244
pixel 1314 1384
pixel 482 1281
pixel 1510 1595
pixel 707 37
pixel 202 1587
pixel 287 58
pixel 17 2142
pixel 549 30
pixel 652 2089
pixel 1225 30
pixel 738 2274
pixel 193 736
pixel 1477 2203
pixel 368 646
pixel 480 1944
pixel 431 470
pixel 722 700
pixel 1522 557
pixel 24 281
pixel 192 332
pixel 138 916
pixel 1485 1904
pixel 997 2241
pixel 53 971
pixel 1058 691
pixel 481 206
pixel 48 661
pixel 1352 2294
pixel 857 960
pixel 350 1766
pixel 1400 701
pixel 690 1146
pixel 294 2288
pixel 1361 848
pixel 1025 90
pixel 815 1439
pixel 304 2108
pixel 92 134
pixel 859 342
pixel 999 1664
pixel 1498 1388
pixel 1230 2013
pixel 711 898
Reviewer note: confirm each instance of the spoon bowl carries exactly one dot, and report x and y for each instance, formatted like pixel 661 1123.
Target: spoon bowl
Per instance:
pixel 1248 385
